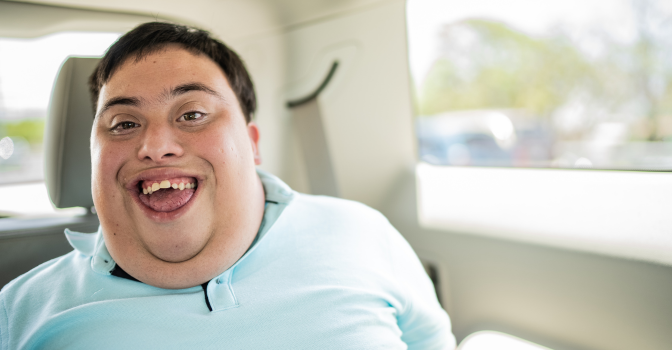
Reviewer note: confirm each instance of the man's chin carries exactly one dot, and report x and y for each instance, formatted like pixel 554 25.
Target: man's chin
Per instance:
pixel 176 240
pixel 174 256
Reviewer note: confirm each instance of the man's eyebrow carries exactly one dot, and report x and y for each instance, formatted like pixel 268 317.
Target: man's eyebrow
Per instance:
pixel 123 101
pixel 184 88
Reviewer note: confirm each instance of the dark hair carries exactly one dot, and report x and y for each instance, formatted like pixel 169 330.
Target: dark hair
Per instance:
pixel 151 37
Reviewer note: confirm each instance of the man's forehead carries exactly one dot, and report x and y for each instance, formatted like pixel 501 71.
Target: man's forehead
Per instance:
pixel 171 62
pixel 165 74
pixel 163 52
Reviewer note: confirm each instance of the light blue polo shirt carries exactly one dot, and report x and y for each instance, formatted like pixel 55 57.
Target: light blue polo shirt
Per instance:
pixel 323 273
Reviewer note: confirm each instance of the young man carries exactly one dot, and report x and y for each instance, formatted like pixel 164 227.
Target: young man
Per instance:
pixel 198 249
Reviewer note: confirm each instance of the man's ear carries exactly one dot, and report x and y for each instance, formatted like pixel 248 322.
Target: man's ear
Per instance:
pixel 253 133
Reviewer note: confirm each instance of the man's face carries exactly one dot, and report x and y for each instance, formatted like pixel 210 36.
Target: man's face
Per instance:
pixel 174 179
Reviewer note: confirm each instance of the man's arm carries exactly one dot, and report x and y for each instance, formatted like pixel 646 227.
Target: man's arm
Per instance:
pixel 4 324
pixel 424 324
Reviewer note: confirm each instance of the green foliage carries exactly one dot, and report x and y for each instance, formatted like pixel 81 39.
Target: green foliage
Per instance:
pixel 500 67
pixel 32 130
pixel 485 64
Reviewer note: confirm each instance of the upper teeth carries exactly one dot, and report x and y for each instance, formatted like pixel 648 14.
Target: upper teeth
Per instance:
pixel 166 184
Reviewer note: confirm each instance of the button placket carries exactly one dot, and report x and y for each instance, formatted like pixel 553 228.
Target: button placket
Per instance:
pixel 220 292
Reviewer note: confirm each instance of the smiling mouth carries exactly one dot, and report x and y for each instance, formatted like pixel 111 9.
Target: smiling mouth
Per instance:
pixel 167 195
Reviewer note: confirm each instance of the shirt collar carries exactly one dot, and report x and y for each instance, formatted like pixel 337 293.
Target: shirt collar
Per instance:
pixel 276 190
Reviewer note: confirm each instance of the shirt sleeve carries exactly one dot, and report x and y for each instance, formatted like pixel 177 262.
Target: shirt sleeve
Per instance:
pixel 4 324
pixel 424 324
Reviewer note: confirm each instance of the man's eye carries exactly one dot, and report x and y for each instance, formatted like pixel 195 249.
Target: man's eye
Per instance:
pixel 125 126
pixel 192 116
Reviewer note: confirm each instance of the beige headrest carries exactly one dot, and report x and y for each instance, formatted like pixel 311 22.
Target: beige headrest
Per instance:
pixel 66 137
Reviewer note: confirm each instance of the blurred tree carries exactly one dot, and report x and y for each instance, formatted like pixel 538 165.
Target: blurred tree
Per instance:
pixel 32 130
pixel 650 65
pixel 486 64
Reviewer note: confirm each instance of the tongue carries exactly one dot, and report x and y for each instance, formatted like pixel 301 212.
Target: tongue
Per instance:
pixel 167 199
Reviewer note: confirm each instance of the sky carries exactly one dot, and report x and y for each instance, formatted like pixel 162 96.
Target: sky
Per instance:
pixel 28 66
pixel 535 17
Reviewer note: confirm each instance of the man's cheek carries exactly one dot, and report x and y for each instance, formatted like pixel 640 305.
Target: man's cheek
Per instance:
pixel 106 162
pixel 111 157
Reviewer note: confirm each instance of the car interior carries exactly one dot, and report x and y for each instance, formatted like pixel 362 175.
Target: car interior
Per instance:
pixel 529 257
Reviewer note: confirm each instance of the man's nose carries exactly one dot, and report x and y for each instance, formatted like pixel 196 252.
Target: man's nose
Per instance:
pixel 160 144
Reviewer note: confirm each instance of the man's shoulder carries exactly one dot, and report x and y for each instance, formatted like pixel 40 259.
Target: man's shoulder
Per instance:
pixel 49 273
pixel 349 222
pixel 317 207
pixel 333 207
pixel 32 299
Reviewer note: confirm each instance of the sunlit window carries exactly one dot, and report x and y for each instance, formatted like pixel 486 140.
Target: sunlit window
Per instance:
pixel 528 83
pixel 489 340
pixel 28 68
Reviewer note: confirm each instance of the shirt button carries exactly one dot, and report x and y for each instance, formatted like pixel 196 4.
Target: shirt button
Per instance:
pixel 218 281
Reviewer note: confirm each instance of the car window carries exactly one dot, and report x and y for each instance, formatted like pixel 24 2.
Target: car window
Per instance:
pixel 559 84
pixel 28 68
